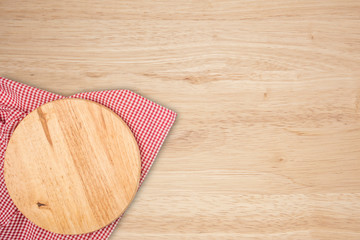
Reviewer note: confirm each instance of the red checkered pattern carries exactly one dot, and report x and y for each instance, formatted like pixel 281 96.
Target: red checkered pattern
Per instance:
pixel 149 122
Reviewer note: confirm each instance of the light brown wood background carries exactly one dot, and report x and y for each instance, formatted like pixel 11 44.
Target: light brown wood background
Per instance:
pixel 267 140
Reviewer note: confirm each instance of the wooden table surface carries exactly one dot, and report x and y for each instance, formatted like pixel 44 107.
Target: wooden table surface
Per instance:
pixel 267 140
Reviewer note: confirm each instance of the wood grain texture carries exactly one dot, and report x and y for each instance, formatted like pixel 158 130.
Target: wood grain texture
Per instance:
pixel 267 140
pixel 72 166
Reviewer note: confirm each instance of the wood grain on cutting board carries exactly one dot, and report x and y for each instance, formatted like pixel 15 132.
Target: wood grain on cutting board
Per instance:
pixel 267 140
pixel 72 166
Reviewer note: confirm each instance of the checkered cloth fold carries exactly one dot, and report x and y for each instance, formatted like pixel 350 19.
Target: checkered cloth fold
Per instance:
pixel 149 122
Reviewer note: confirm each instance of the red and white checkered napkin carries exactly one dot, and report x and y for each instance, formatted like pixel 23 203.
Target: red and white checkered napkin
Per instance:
pixel 149 122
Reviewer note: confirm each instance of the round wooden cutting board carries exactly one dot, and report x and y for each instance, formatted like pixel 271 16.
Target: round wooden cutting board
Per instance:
pixel 72 166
